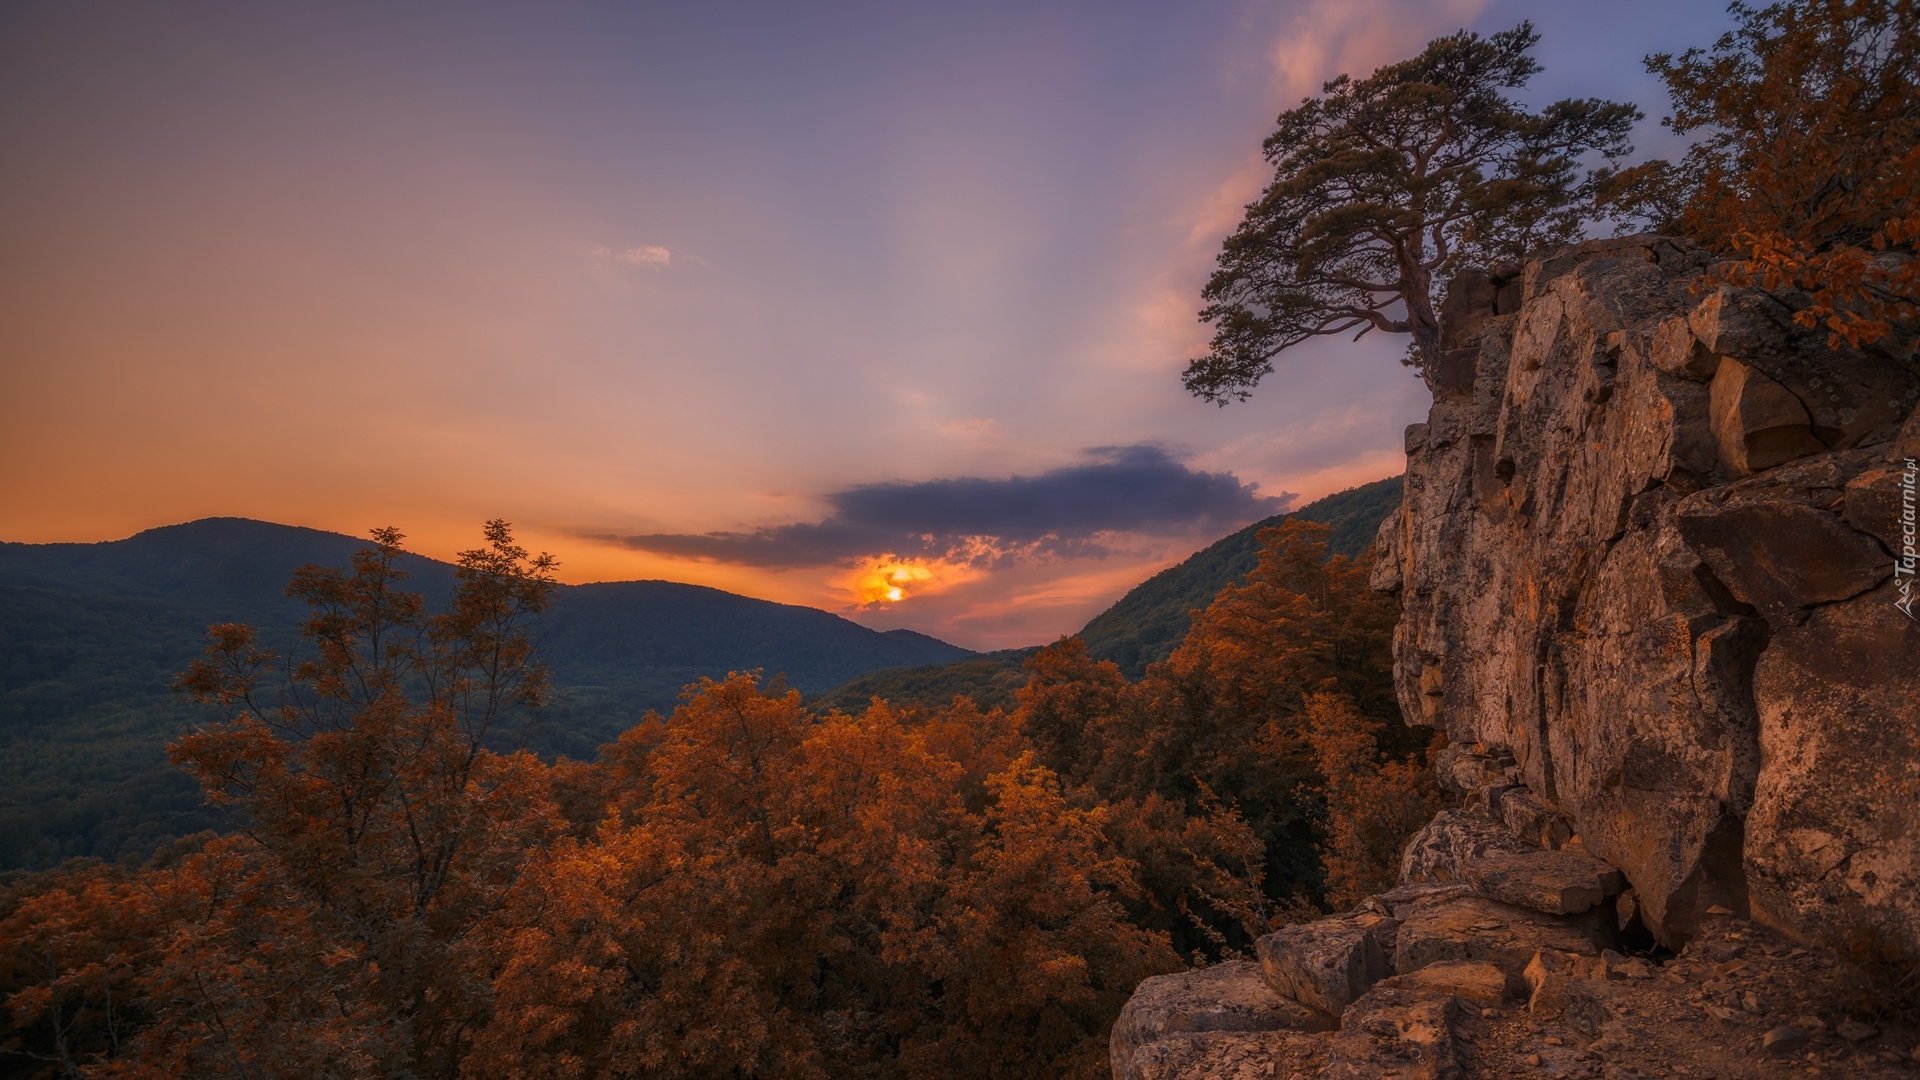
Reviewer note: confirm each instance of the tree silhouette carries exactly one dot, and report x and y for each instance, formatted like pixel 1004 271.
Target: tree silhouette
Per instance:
pixel 1383 184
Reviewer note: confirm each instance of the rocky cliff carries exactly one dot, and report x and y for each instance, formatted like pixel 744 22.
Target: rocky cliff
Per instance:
pixel 1647 557
pixel 1655 562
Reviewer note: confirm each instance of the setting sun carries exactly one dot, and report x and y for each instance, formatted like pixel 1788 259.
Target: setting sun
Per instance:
pixel 888 579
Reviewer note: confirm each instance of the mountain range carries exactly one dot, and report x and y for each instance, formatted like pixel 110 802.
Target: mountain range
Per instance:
pixel 91 636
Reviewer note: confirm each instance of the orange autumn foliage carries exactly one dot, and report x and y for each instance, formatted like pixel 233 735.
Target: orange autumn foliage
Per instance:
pixel 1807 168
pixel 801 897
pixel 1207 767
pixel 741 889
pixel 1373 804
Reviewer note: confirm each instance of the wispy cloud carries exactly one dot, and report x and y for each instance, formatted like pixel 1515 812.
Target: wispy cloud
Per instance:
pixel 974 427
pixel 1353 37
pixel 651 255
pixel 979 522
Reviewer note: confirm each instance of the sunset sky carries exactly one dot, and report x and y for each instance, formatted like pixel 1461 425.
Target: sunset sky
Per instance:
pixel 875 307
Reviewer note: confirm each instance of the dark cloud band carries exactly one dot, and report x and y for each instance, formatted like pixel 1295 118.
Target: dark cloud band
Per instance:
pixel 1131 489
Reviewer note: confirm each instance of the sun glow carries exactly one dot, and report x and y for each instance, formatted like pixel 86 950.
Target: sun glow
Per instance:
pixel 888 579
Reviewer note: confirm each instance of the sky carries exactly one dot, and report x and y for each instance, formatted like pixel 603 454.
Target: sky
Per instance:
pixel 879 308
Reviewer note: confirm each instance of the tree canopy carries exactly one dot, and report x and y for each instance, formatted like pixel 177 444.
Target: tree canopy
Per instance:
pixel 742 889
pixel 1807 162
pixel 1385 183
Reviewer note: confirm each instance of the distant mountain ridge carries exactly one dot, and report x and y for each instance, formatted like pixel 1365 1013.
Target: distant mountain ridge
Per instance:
pixel 92 634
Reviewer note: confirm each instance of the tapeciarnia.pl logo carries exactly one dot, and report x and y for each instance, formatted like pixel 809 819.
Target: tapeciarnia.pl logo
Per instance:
pixel 1904 560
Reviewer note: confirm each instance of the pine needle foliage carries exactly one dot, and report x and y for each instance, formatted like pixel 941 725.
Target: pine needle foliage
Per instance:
pixel 1385 184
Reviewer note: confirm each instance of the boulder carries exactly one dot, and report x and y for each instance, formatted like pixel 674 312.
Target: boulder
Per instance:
pixel 1875 504
pixel 1784 1041
pixel 1328 963
pixel 1553 882
pixel 1478 929
pixel 1528 817
pixel 1454 838
pixel 1780 557
pixel 1401 901
pixel 1757 423
pixel 1400 1031
pixel 1468 846
pixel 1171 1019
pixel 1740 322
pixel 1676 350
pixel 1469 980
pixel 1832 845
pixel 1849 397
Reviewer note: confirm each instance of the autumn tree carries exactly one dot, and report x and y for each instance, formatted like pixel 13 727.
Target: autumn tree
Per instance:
pixel 813 897
pixel 1227 707
pixel 1207 768
pixel 1381 186
pixel 1067 701
pixel 382 836
pixel 1806 164
pixel 1374 802
pixel 77 940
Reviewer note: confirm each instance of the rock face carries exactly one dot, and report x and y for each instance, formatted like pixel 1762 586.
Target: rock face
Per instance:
pixel 1657 583
pixel 1646 563
pixel 1402 1031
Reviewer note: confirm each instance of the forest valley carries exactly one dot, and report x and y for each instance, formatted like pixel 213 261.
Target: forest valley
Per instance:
pixel 748 889
pixel 739 889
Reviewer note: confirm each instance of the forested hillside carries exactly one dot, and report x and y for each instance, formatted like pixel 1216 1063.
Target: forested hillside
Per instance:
pixel 992 680
pixel 1145 625
pixel 92 635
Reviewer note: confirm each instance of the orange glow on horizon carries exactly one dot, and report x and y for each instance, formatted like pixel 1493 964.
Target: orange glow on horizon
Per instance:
pixel 888 579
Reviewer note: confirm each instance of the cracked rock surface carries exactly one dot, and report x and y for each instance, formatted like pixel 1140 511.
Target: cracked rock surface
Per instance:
pixel 1738 1002
pixel 1645 574
pixel 1645 563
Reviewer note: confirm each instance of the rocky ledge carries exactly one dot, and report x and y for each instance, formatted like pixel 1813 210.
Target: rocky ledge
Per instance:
pixel 1474 968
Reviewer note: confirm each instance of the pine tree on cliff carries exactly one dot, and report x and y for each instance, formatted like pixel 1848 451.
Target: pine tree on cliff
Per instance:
pixel 1383 184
